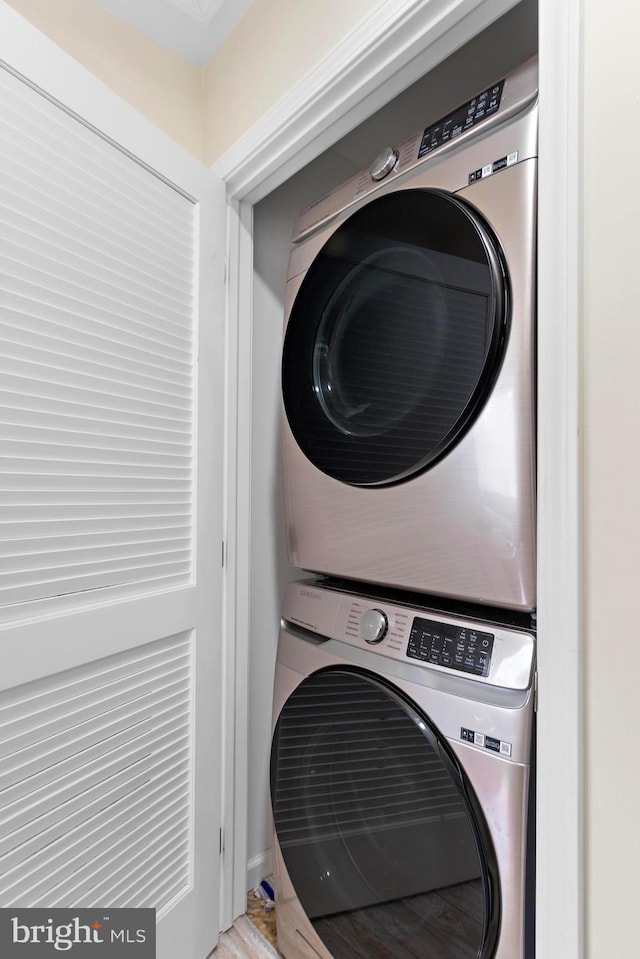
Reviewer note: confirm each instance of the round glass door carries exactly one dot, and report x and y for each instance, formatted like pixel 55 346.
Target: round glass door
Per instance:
pixel 395 337
pixel 381 834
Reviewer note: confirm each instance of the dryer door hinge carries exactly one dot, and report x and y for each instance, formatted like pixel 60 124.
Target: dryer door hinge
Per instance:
pixel 221 841
pixel 222 554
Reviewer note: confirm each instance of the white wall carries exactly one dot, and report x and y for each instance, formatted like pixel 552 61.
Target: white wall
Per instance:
pixel 611 358
pixel 504 45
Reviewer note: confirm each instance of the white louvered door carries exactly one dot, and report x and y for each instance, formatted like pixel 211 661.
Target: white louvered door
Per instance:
pixel 111 499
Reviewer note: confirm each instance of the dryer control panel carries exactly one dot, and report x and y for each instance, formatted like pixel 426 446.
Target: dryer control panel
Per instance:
pixel 504 99
pixel 462 119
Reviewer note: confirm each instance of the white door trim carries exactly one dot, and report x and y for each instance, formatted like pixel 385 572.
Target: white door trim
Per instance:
pixel 237 537
pixel 398 42
pixel 389 50
pixel 560 880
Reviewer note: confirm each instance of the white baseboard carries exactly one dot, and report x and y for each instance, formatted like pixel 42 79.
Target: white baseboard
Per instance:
pixel 259 868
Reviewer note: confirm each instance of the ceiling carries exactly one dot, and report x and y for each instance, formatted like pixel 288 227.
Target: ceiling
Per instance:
pixel 191 28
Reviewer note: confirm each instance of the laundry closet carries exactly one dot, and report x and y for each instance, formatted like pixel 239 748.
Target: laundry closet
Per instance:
pixel 586 493
pixel 488 57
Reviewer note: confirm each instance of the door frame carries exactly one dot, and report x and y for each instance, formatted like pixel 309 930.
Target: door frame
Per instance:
pixel 390 49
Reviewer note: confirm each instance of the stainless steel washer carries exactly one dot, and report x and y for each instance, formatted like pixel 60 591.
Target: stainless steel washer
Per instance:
pixel 401 773
pixel 408 361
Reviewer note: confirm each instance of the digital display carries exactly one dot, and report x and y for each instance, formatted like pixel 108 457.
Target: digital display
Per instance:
pixel 465 117
pixel 456 647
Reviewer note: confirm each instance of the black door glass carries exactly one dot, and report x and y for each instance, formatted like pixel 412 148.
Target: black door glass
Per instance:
pixel 359 355
pixel 395 337
pixel 383 841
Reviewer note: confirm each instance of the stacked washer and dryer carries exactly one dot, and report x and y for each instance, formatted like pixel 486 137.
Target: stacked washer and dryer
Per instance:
pixel 404 706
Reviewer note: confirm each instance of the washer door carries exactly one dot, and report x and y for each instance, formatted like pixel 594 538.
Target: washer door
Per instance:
pixel 379 829
pixel 395 337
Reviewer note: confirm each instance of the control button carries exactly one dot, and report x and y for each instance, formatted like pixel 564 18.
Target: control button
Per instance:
pixel 373 626
pixel 453 647
pixel 383 163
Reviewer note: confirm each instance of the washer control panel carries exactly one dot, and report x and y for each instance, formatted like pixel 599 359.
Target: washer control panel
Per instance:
pixel 420 638
pixel 389 624
pixel 455 647
pixel 383 164
pixel 373 626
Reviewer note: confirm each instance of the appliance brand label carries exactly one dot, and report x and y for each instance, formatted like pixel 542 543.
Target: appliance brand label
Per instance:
pixel 485 742
pixel 490 168
pixel 310 594
pixel 78 933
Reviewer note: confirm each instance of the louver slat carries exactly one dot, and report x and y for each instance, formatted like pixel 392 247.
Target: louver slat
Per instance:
pixel 29 232
pixel 19 355
pixel 49 138
pixel 73 342
pixel 85 857
pixel 87 862
pixel 96 792
pixel 28 247
pixel 69 315
pixel 52 844
pixel 40 695
pixel 97 345
pixel 72 282
pixel 167 855
pixel 63 142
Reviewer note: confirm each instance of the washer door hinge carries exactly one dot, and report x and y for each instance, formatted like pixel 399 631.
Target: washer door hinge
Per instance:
pixel 221 841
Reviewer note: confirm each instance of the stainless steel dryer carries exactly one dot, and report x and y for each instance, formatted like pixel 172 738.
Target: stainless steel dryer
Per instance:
pixel 401 775
pixel 408 361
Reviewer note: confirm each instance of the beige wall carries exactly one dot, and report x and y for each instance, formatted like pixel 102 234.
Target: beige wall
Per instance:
pixel 160 84
pixel 204 110
pixel 612 474
pixel 262 59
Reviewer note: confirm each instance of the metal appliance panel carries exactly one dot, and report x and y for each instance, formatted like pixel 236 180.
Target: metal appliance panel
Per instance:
pixel 518 93
pixel 466 527
pixel 501 782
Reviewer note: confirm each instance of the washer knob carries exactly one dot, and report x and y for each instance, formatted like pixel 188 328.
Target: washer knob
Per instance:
pixel 383 163
pixel 373 626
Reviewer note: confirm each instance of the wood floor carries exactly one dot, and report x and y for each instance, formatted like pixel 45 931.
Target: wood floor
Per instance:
pixel 446 924
pixel 244 941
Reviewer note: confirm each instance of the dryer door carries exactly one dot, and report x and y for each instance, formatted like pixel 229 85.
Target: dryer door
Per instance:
pixel 395 337
pixel 380 831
